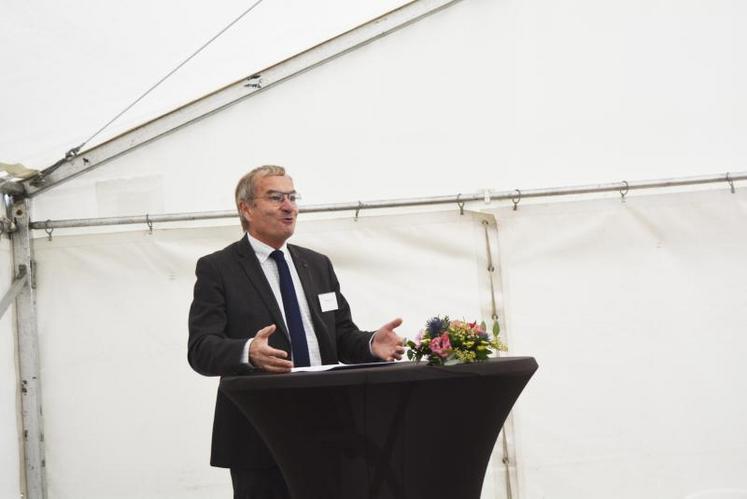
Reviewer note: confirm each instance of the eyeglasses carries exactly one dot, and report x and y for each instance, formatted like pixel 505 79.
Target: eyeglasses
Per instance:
pixel 277 198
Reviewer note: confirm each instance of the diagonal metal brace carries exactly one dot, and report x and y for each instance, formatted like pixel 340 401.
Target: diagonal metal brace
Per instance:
pixel 18 283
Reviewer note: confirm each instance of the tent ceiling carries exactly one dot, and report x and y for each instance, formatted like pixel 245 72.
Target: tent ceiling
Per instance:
pixel 79 162
pixel 77 64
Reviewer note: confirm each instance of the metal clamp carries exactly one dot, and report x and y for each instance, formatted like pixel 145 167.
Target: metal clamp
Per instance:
pixel 731 183
pixel 357 211
pixel 48 230
pixel 515 199
pixel 624 191
pixel 460 204
pixel 254 81
pixel 149 223
pixel 72 152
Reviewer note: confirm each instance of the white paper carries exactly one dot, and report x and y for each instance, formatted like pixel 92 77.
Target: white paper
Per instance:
pixel 330 367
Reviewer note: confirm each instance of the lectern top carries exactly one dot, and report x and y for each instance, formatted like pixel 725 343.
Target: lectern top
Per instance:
pixel 393 373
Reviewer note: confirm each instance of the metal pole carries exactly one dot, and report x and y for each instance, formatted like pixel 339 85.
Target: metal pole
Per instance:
pixel 623 186
pixel 28 357
pixel 506 455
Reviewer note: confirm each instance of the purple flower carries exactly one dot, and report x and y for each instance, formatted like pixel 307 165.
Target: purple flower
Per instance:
pixel 436 325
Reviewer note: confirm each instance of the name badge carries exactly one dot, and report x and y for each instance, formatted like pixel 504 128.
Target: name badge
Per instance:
pixel 328 301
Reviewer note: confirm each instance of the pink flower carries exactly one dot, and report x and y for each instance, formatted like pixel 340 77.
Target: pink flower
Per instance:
pixel 441 346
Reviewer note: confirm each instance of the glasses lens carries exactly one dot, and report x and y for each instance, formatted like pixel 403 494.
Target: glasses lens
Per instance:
pixel 278 197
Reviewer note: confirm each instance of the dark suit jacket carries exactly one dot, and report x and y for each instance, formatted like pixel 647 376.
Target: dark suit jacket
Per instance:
pixel 232 301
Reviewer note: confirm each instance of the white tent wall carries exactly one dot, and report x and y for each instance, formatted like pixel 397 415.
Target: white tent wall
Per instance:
pixel 9 437
pixel 126 417
pixel 635 314
pixel 507 94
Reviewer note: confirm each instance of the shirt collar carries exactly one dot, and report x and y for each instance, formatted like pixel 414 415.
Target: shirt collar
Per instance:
pixel 263 250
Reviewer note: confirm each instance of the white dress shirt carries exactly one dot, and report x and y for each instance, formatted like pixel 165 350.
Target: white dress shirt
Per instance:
pixel 270 269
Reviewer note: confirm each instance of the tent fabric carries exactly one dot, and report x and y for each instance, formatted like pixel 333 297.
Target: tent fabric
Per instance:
pixel 124 414
pixel 481 95
pixel 125 50
pixel 634 312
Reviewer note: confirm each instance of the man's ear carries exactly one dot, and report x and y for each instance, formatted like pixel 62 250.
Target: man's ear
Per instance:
pixel 246 210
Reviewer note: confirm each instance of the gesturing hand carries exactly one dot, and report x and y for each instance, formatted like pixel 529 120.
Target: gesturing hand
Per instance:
pixel 386 344
pixel 263 356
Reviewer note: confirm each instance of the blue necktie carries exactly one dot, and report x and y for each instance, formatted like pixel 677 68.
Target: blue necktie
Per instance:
pixel 292 312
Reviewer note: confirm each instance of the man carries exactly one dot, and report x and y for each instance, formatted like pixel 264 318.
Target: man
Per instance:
pixel 263 304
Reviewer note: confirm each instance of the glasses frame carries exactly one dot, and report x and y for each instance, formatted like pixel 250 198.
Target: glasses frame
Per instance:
pixel 277 197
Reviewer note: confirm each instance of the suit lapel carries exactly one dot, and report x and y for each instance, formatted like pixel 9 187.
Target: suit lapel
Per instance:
pixel 311 291
pixel 250 264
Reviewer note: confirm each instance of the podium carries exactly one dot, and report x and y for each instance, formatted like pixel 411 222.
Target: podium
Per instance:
pixel 396 431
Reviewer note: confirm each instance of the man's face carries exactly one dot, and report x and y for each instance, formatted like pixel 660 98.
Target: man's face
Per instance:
pixel 270 222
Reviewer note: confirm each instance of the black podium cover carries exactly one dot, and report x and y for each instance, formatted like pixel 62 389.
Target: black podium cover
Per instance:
pixel 401 430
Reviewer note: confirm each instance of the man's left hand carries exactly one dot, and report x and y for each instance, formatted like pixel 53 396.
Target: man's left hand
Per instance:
pixel 386 344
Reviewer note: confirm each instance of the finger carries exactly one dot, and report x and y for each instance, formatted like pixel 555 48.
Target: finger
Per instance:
pixel 265 331
pixel 277 369
pixel 273 352
pixel 392 324
pixel 389 337
pixel 275 363
pixel 279 363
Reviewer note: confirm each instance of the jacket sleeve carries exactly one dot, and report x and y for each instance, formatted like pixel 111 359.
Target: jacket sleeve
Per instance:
pixel 210 350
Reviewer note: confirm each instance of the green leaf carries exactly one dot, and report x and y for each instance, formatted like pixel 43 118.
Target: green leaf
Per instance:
pixel 496 329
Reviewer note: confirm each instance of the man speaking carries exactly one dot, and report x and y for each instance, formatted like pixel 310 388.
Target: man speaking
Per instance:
pixel 263 304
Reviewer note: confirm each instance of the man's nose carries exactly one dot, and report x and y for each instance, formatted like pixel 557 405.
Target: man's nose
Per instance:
pixel 287 205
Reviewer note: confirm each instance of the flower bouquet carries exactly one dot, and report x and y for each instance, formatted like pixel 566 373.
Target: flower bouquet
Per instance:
pixel 447 342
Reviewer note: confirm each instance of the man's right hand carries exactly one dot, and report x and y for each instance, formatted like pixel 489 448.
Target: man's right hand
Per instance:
pixel 263 356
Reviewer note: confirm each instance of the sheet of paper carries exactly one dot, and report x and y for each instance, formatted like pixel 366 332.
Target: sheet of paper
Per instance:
pixel 336 367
